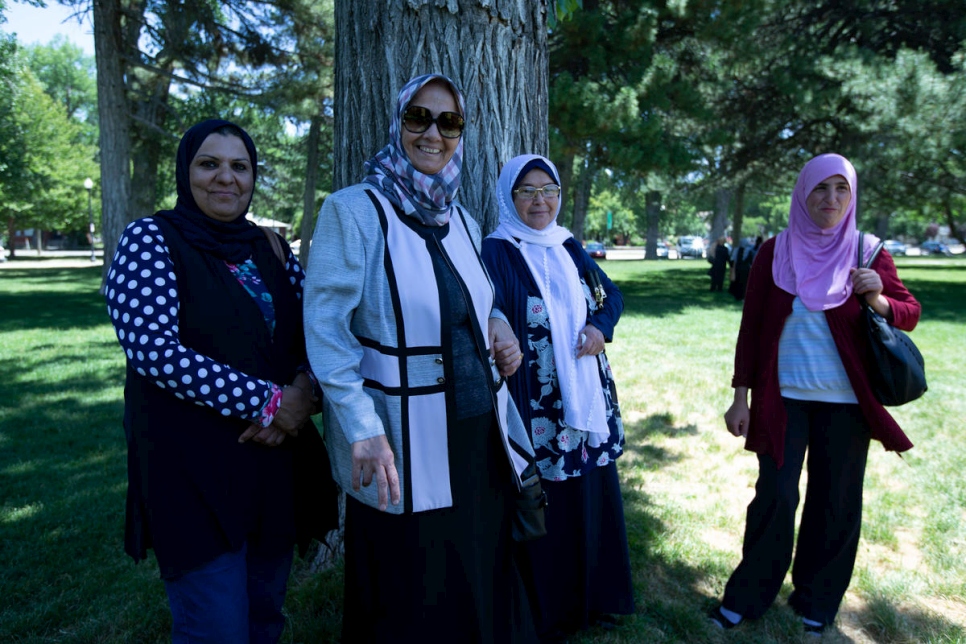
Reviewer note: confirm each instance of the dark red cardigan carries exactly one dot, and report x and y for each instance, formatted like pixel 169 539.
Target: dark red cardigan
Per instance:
pixel 756 355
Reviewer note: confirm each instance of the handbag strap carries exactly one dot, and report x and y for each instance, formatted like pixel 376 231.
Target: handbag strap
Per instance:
pixel 861 264
pixel 275 243
pixel 875 251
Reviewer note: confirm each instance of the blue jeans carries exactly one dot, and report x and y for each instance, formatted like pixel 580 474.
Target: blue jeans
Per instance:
pixel 234 599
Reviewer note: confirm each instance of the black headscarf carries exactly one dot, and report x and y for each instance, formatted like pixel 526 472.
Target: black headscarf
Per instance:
pixel 231 241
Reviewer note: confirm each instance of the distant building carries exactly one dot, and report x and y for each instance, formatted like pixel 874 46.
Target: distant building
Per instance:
pixel 279 227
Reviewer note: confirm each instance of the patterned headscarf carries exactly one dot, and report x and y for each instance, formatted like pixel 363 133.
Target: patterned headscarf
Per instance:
pixel 811 262
pixel 427 197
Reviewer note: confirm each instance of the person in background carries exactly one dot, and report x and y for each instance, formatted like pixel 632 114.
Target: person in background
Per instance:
pixel 401 332
pixel 719 258
pixel 565 308
pixel 223 460
pixel 742 257
pixel 803 356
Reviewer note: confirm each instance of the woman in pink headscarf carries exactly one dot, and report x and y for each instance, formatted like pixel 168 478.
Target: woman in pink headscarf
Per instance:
pixel 802 353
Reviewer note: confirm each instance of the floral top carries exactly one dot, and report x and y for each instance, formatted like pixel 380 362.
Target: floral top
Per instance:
pixel 563 452
pixel 142 301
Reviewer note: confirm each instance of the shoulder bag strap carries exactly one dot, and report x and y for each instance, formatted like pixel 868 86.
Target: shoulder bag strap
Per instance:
pixel 275 243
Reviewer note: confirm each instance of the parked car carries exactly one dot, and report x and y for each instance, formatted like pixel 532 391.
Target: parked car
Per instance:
pixel 596 250
pixel 690 246
pixel 934 248
pixel 661 252
pixel 895 247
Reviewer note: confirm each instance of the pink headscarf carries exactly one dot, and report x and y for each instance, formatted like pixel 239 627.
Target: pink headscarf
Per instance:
pixel 813 263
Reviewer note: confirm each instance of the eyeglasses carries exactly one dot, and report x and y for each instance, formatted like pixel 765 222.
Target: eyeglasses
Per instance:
pixel 549 191
pixel 418 119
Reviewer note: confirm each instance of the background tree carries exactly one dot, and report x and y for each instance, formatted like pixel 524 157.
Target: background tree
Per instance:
pixel 44 155
pixel 68 77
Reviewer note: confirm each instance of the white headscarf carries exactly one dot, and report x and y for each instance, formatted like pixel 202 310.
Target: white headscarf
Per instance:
pixel 556 276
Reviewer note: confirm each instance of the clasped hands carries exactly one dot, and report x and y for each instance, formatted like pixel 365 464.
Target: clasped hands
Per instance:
pixel 504 347
pixel 297 404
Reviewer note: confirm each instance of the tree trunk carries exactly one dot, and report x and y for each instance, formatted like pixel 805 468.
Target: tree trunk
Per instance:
pixel 308 195
pixel 722 199
pixel 11 229
pixel 565 166
pixel 148 136
pixel 652 207
pixel 739 219
pixel 112 117
pixel 882 226
pixel 954 230
pixel 494 50
pixel 585 181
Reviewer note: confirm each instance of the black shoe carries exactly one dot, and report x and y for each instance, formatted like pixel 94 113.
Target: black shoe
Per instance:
pixel 719 620
pixel 604 621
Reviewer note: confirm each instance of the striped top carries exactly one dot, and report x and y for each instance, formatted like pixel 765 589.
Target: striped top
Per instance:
pixel 809 365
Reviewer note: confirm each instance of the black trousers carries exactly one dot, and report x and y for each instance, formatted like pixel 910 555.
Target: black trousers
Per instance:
pixel 836 438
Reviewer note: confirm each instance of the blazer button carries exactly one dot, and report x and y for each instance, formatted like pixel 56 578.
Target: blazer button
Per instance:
pixel 439 361
pixel 441 380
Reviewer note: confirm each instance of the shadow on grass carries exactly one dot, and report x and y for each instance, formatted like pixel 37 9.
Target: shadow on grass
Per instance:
pixel 660 293
pixel 52 299
pixel 941 300
pixel 664 291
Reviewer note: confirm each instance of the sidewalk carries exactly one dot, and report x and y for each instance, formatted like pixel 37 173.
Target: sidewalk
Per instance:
pixel 52 259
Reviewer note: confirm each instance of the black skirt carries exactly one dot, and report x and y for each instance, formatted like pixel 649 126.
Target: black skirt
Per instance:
pixel 581 569
pixel 441 575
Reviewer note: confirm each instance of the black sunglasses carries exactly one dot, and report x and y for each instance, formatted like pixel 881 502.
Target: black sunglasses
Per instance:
pixel 418 119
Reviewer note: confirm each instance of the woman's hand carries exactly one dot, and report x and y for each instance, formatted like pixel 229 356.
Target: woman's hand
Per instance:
pixel 504 347
pixel 590 342
pixel 738 416
pixel 270 436
pixel 372 458
pixel 297 404
pixel 867 282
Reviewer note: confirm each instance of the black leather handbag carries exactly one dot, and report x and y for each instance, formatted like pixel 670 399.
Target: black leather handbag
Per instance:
pixel 898 374
pixel 529 522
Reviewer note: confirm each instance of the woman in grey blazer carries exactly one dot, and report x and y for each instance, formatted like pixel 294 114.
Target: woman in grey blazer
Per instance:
pixel 402 335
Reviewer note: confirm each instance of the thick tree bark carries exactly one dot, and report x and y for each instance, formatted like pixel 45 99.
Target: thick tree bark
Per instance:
pixel 308 195
pixel 112 114
pixel 494 50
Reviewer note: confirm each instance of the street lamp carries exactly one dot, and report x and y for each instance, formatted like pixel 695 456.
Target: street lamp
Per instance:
pixel 90 213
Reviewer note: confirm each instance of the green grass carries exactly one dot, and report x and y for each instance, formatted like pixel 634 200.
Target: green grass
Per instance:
pixel 64 577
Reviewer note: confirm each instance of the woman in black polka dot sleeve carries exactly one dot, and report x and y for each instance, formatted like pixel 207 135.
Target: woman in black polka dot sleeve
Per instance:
pixel 222 454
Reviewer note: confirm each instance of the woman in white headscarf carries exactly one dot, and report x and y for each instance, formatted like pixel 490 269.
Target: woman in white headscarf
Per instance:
pixel 563 308
pixel 423 439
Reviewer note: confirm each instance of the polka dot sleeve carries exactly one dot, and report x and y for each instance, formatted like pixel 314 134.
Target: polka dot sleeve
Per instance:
pixel 142 301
